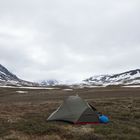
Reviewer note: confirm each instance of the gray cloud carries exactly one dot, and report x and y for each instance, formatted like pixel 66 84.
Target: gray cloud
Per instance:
pixel 44 39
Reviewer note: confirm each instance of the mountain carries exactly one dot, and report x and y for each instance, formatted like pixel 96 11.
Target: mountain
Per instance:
pixel 126 78
pixel 49 83
pixel 8 78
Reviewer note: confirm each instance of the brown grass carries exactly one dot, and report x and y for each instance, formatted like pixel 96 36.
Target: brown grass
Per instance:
pixel 23 116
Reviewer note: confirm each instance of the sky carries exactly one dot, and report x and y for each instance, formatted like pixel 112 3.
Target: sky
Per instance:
pixel 69 39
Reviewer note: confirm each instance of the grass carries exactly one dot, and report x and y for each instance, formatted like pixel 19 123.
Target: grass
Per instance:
pixel 4 127
pixel 27 120
pixel 36 125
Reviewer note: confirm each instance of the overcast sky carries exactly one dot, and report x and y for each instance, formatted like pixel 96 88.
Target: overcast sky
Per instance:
pixel 69 39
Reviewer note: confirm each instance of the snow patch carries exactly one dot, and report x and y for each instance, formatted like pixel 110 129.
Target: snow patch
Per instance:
pixel 20 91
pixel 134 86
pixel 68 89
pixel 2 73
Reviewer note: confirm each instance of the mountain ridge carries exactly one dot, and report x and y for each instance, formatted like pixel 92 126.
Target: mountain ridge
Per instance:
pixel 124 78
pixel 7 78
pixel 131 77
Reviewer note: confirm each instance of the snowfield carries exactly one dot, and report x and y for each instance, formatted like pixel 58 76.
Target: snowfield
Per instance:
pixel 29 87
pixel 132 86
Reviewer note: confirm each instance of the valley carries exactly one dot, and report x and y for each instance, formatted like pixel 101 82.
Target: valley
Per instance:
pixel 23 114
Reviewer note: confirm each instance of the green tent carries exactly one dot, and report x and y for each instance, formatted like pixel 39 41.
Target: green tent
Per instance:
pixel 75 110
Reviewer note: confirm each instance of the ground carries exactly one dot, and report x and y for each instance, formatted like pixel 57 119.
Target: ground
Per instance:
pixel 23 114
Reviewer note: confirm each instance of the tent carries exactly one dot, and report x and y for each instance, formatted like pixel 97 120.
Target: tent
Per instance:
pixel 75 110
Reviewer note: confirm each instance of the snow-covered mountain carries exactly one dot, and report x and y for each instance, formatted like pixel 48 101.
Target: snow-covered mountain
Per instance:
pixel 49 83
pixel 8 78
pixel 126 78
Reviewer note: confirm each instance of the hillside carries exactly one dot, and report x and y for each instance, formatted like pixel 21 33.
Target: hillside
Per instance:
pixel 126 78
pixel 9 79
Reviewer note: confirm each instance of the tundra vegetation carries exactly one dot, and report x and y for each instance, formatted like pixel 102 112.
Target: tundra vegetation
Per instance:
pixel 23 115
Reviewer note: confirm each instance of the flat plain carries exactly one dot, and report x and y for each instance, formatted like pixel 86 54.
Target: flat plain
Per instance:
pixel 23 114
